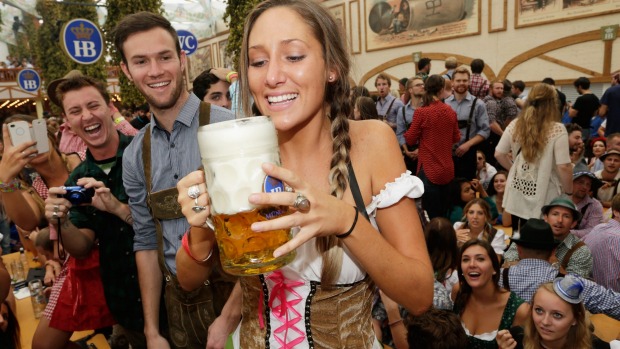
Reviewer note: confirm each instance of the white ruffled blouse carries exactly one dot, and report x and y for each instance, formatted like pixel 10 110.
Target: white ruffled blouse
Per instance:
pixel 307 266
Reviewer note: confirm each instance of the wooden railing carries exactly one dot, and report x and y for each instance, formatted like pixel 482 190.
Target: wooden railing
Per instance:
pixel 10 74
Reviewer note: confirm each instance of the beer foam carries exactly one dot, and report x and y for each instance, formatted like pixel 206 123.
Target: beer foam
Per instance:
pixel 232 153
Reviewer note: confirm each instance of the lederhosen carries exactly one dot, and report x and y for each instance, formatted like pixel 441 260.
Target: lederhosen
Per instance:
pixel 189 313
pixel 328 310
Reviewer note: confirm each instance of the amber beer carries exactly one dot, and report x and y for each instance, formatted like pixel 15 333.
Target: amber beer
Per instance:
pixel 232 154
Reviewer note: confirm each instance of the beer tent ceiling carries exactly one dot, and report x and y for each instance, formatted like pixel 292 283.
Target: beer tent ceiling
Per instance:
pixel 201 17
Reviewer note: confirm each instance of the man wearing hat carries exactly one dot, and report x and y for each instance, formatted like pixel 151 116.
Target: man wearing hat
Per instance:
pixel 104 222
pixel 535 246
pixel 604 243
pixel 571 255
pixel 609 175
pixel 591 209
pixel 69 142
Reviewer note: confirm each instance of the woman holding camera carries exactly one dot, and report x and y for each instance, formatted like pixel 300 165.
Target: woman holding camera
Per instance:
pixel 24 205
pixel 300 78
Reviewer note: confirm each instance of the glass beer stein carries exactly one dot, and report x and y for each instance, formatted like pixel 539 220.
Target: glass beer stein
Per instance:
pixel 232 153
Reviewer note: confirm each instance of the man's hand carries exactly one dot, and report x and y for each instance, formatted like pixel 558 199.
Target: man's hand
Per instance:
pixel 103 199
pixel 218 333
pixel 462 149
pixel 220 73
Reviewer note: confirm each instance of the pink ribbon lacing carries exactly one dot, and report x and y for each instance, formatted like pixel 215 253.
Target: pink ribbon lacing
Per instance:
pixel 283 308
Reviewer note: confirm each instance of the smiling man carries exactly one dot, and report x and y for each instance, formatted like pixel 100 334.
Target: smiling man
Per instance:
pixel 152 59
pixel 107 219
pixel 473 122
pixel 572 255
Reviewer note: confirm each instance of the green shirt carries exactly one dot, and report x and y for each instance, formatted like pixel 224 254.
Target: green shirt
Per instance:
pixel 117 260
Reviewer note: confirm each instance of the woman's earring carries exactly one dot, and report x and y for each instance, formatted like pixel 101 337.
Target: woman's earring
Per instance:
pixel 331 78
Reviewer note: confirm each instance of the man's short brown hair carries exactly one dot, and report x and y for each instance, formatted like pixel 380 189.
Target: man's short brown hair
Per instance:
pixel 138 23
pixel 461 70
pixel 384 77
pixel 77 83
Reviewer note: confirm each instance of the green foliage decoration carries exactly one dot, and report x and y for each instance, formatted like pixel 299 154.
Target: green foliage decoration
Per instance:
pixel 50 57
pixel 235 14
pixel 117 9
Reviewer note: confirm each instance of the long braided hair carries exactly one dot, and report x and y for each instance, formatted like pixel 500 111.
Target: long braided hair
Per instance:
pixel 328 33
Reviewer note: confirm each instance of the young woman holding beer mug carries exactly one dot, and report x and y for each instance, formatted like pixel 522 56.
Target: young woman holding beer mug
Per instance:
pixel 299 77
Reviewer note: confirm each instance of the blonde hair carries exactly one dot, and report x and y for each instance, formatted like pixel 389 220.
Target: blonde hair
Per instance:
pixel 579 335
pixel 486 208
pixel 336 58
pixel 533 125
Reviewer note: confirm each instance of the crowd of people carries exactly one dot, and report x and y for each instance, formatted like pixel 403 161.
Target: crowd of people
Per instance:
pixel 432 179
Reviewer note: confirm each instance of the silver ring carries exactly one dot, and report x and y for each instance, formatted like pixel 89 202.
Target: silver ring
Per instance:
pixel 193 191
pixel 196 202
pixel 55 215
pixel 56 209
pixel 199 209
pixel 301 204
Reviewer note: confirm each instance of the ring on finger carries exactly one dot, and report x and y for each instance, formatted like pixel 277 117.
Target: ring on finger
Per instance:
pixel 56 209
pixel 55 214
pixel 198 209
pixel 301 203
pixel 193 191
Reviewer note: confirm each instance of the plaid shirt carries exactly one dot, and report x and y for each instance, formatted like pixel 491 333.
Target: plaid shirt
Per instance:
pixel 478 86
pixel 525 278
pixel 604 242
pixel 580 262
pixel 592 217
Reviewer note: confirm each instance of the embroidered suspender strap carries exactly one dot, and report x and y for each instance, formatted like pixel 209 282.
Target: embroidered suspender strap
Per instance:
pixel 568 255
pixel 204 117
pixel 163 204
pixel 471 115
pixel 355 191
pixel 505 283
pixel 146 161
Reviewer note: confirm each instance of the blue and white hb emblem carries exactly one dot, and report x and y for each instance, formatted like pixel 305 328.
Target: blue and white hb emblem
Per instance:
pixel 82 41
pixel 29 80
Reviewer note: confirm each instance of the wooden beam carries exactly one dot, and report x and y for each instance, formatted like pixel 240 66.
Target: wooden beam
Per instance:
pixel 548 47
pixel 608 47
pixel 569 65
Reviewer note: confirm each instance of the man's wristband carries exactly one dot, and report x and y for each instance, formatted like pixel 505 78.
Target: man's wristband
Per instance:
pixel 185 244
pixel 231 75
pixel 10 186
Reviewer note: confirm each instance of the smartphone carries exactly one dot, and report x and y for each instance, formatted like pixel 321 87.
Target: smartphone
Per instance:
pixel 21 132
pixel 39 134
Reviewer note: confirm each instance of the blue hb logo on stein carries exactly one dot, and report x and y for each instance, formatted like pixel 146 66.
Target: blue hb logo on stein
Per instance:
pixel 29 80
pixel 82 41
pixel 188 41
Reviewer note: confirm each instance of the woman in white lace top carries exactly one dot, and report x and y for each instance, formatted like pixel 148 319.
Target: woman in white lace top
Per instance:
pixel 540 166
